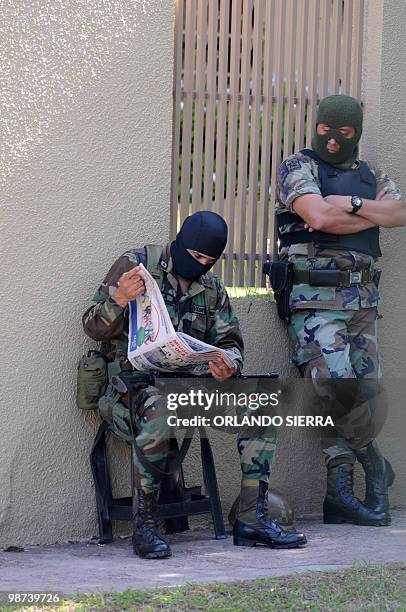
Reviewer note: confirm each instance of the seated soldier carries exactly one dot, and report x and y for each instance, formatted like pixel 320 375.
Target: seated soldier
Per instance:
pixel 198 305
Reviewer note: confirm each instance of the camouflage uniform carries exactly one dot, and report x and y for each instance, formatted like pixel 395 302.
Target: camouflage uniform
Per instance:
pixel 334 329
pixel 106 321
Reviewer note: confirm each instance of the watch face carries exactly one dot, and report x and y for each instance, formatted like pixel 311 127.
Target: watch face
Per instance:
pixel 356 202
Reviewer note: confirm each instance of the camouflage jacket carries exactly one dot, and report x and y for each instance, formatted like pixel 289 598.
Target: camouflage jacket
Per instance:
pixel 298 175
pixel 190 313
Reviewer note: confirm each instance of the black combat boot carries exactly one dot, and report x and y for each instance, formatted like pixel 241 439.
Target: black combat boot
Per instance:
pixel 379 475
pixel 341 506
pixel 260 529
pixel 279 509
pixel 146 541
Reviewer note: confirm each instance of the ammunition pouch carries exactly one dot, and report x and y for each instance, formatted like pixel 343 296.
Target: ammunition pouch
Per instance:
pixel 115 413
pixel 91 380
pixel 281 280
pixel 114 405
pixel 335 277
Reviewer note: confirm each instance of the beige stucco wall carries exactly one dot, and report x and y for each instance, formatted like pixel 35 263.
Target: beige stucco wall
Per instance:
pixel 384 144
pixel 86 114
pixel 86 111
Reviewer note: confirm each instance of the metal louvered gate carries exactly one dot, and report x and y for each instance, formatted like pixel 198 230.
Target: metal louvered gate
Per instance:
pixel 248 77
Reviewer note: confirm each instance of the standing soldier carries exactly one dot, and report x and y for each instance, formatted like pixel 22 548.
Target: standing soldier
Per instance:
pixel 198 305
pixel 330 206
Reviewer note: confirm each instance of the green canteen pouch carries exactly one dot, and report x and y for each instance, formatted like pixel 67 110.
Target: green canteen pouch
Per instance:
pixel 91 380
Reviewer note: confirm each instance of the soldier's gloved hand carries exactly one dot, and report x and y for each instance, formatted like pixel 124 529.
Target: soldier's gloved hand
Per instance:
pixel 130 286
pixel 220 370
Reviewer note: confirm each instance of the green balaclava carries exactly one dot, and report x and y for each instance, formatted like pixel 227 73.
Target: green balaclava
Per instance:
pixel 338 111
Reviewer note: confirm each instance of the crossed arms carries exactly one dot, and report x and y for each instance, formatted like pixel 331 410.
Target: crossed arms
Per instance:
pixel 332 213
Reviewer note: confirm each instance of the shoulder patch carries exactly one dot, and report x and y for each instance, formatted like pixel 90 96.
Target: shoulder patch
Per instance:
pixel 292 164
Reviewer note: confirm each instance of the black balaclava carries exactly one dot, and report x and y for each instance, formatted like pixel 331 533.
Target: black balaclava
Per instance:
pixel 205 232
pixel 338 111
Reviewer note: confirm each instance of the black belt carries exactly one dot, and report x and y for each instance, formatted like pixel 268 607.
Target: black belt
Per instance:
pixel 333 278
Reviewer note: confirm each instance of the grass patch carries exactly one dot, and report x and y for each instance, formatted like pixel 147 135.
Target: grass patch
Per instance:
pixel 250 293
pixel 363 587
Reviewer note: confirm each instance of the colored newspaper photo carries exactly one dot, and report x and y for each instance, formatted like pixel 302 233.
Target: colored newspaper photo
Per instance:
pixel 153 343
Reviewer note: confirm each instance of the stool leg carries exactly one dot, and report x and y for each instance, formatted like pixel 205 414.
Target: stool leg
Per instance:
pixel 102 483
pixel 210 481
pixel 173 490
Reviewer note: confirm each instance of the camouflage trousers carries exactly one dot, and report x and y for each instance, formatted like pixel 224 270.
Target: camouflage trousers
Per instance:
pixel 338 351
pixel 152 433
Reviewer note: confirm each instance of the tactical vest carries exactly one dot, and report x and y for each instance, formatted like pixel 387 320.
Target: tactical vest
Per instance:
pixel 155 265
pixel 333 181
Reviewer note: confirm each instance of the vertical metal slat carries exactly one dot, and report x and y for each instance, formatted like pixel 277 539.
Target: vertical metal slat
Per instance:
pixel 252 208
pixel 346 50
pixel 278 106
pixel 334 72
pixel 187 106
pixel 290 54
pixel 356 65
pixel 176 115
pixel 199 105
pixel 302 74
pixel 325 48
pixel 266 141
pixel 210 100
pixel 313 64
pixel 232 137
pixel 222 106
pixel 241 202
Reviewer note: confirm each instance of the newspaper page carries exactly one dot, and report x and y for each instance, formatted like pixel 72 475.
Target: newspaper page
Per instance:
pixel 153 344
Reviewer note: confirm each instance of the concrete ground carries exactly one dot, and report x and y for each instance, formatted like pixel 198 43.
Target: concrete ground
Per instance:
pixel 197 557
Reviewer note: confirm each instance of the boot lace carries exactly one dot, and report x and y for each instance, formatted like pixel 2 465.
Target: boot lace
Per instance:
pixel 345 484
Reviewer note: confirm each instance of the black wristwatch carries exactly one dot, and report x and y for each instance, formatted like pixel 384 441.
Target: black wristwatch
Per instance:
pixel 356 203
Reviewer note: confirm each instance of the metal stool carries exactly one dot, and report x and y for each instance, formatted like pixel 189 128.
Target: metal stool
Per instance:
pixel 176 502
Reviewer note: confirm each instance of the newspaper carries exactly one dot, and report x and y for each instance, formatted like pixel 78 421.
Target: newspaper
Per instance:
pixel 153 344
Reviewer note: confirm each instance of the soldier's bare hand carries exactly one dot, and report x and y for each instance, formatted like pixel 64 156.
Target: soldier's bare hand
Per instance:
pixel 130 286
pixel 307 226
pixel 220 370
pixel 384 194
